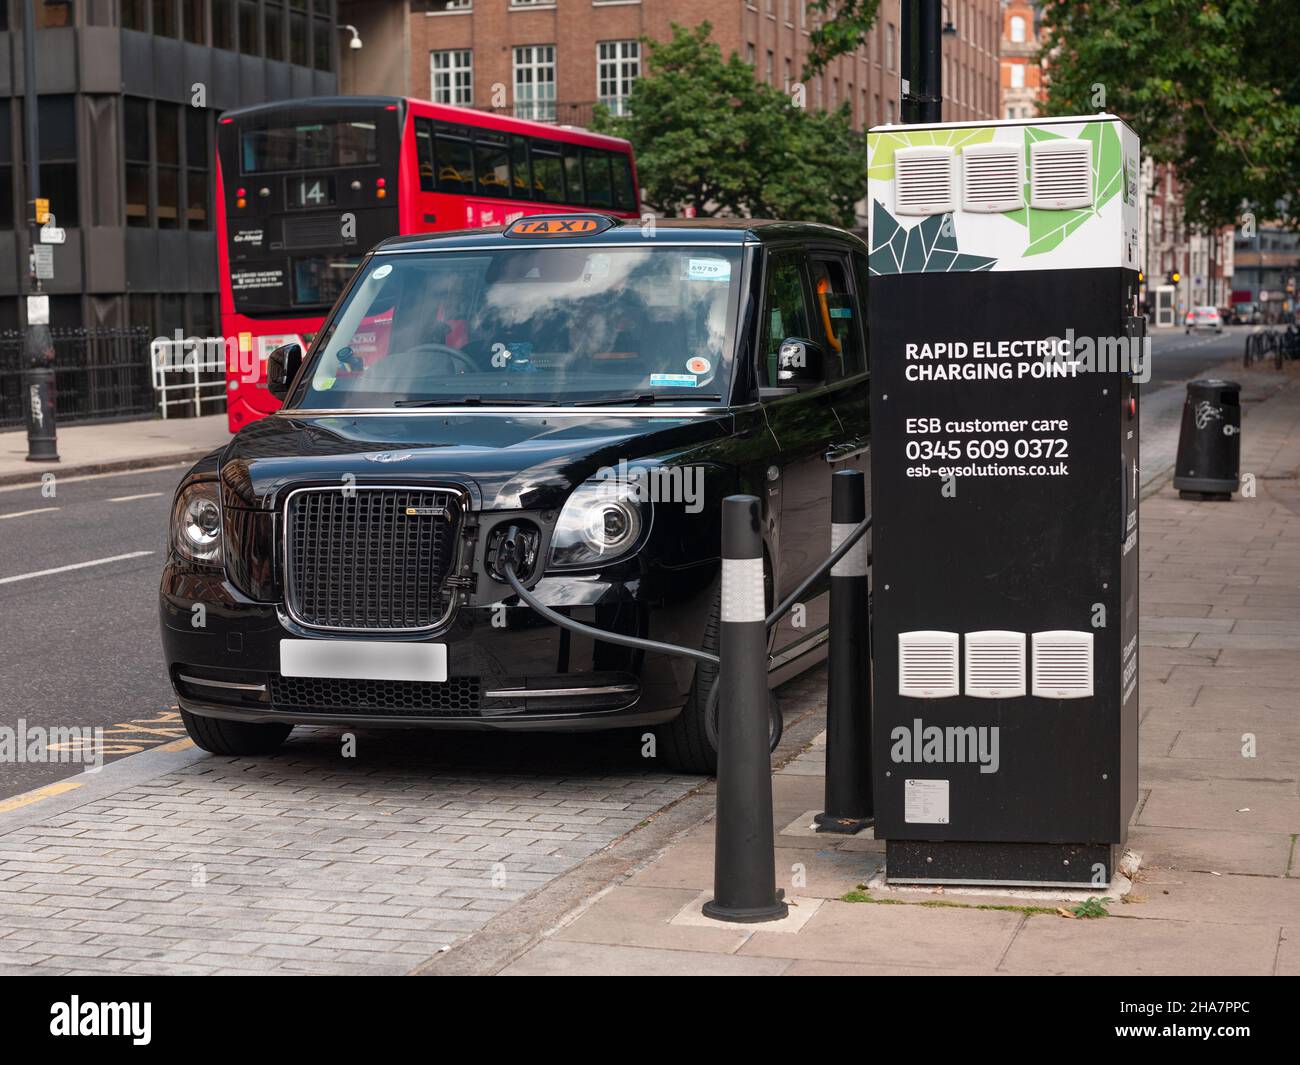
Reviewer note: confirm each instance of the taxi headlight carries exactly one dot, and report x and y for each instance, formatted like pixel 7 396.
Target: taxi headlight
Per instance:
pixel 601 521
pixel 196 522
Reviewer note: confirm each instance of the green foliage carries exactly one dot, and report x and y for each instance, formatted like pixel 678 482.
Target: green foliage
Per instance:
pixel 708 135
pixel 1093 907
pixel 843 26
pixel 1212 86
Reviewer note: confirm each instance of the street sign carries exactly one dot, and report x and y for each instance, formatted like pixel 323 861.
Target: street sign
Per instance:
pixel 43 259
pixel 50 233
pixel 38 310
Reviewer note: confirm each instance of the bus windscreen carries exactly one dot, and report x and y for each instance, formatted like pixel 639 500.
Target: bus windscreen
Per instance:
pixel 312 145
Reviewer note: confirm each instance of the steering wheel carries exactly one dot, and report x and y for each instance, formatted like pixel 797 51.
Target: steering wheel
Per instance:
pixel 466 362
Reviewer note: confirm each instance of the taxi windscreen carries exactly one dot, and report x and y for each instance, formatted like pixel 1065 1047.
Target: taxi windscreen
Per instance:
pixel 548 325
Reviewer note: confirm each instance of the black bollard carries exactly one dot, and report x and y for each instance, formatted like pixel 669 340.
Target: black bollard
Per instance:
pixel 744 868
pixel 38 396
pixel 848 689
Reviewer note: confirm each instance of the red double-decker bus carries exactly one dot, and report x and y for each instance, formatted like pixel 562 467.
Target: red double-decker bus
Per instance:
pixel 306 187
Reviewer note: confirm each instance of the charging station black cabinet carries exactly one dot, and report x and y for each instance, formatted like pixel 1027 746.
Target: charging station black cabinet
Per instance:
pixel 1006 357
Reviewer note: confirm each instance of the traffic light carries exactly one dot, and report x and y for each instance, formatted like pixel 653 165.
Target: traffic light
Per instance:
pixel 1173 277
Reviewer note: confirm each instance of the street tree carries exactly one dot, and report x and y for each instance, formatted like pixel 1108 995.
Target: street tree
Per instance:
pixel 710 136
pixel 1211 86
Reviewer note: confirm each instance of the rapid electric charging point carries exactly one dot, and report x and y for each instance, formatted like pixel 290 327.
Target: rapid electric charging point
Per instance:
pixel 1006 353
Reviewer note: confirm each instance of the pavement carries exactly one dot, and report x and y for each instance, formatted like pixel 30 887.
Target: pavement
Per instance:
pixel 105 446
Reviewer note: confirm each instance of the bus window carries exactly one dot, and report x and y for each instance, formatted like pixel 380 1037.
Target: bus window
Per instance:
pixel 573 174
pixel 454 159
pixel 624 191
pixel 522 183
pixel 492 165
pixel 548 172
pixel 424 154
pixel 595 172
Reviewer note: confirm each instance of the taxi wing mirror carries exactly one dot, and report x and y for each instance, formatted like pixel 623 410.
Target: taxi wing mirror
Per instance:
pixel 798 363
pixel 281 368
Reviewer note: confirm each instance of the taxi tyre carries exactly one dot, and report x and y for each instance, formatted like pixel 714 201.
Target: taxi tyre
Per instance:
pixel 221 736
pixel 686 743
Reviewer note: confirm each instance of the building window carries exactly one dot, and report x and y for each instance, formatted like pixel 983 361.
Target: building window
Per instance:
pixel 451 74
pixel 250 28
pixel 273 17
pixel 768 72
pixel 51 14
pixel 135 15
pixel 446 7
pixel 891 53
pixel 164 18
pixel 57 116
pixel 195 22
pixel 534 70
pixel 1017 75
pixel 299 33
pixel 1017 29
pixel 6 167
pixel 749 54
pixel 135 151
pixel 167 147
pixel 197 135
pixel 223 24
pixel 891 111
pixel 618 65
pixel 323 36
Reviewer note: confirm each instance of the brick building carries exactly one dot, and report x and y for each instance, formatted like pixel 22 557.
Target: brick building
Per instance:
pixel 551 60
pixel 1021 78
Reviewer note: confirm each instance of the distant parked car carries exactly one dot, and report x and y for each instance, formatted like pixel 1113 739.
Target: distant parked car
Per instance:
pixel 1245 314
pixel 1207 318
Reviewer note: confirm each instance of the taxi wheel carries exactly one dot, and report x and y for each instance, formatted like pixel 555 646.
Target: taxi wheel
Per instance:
pixel 685 743
pixel 220 736
pixel 688 743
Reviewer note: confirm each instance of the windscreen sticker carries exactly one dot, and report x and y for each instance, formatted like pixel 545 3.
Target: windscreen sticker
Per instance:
pixel 382 272
pixel 698 365
pixel 597 266
pixel 841 312
pixel 673 380
pixel 708 270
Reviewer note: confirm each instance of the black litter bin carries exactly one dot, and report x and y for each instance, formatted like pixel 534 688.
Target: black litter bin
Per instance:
pixel 1209 442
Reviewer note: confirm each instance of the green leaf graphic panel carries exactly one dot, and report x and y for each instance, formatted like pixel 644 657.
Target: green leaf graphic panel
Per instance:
pixel 1048 228
pixel 880 166
pixel 929 247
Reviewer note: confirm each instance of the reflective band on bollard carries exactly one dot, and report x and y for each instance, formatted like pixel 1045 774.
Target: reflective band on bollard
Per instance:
pixel 744 868
pixel 849 805
pixel 38 403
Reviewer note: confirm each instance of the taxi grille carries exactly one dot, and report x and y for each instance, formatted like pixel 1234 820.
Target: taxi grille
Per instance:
pixel 370 558
pixel 456 697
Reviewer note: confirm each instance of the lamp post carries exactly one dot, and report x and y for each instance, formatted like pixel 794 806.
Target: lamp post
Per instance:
pixel 38 345
pixel 921 68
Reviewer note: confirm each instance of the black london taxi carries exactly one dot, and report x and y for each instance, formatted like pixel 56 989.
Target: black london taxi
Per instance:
pixel 583 388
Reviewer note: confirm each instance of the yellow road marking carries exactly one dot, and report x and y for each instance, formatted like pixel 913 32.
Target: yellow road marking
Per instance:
pixel 29 797
pixel 176 745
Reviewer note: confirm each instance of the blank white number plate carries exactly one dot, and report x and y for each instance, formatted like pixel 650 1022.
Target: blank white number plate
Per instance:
pixel 363 660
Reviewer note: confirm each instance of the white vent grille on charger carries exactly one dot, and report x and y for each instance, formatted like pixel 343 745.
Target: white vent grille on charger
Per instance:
pixel 924 181
pixel 1062 666
pixel 995 664
pixel 1060 174
pixel 992 177
pixel 927 664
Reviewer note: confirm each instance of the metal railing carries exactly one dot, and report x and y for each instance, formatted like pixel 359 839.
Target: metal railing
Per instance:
pixel 99 373
pixel 188 372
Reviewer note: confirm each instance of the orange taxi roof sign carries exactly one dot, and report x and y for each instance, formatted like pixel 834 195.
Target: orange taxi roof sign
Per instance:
pixel 559 225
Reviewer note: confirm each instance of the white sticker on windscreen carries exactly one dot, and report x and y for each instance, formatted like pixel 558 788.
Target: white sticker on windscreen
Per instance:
pixel 708 270
pixel 382 272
